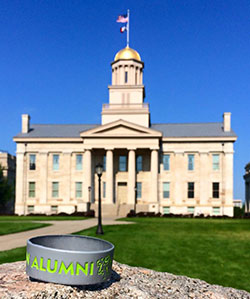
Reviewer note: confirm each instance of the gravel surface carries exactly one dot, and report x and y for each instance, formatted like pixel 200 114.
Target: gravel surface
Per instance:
pixel 126 282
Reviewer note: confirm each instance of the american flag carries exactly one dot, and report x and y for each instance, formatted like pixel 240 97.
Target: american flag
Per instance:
pixel 122 19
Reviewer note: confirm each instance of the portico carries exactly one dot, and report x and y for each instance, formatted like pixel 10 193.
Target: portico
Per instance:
pixel 107 144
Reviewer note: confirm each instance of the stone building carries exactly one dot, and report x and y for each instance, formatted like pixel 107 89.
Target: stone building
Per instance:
pixel 247 188
pixel 168 168
pixel 8 163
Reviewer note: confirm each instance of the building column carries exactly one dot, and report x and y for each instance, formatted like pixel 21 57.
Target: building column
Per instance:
pixel 67 176
pixel 154 175
pixel 113 76
pixel 87 175
pixel 109 177
pixel 131 177
pixel 205 184
pixel 43 161
pixel 121 75
pixel 180 184
pixel 20 202
pixel 228 178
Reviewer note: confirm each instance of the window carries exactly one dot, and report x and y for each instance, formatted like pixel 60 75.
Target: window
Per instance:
pixel 31 209
pixel 32 189
pixel 54 209
pixel 139 163
pixel 138 190
pixel 122 163
pixel 78 189
pixel 166 210
pixel 191 190
pixel 55 162
pixel 79 162
pixel 55 189
pixel 32 162
pixel 216 190
pixel 190 210
pixel 190 162
pixel 166 190
pixel 104 163
pixel 166 160
pixel 216 162
pixel 216 210
pixel 104 190
pixel 126 77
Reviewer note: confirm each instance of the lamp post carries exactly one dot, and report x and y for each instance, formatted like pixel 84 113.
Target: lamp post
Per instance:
pixel 99 170
pixel 135 199
pixel 89 189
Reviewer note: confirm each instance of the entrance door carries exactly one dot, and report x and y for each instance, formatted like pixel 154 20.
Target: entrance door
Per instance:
pixel 122 194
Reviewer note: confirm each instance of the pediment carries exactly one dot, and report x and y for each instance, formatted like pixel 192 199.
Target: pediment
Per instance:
pixel 121 128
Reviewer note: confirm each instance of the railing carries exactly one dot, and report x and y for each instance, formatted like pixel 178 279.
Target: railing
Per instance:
pixel 126 105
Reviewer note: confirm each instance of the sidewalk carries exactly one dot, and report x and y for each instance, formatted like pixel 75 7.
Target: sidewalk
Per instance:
pixel 11 241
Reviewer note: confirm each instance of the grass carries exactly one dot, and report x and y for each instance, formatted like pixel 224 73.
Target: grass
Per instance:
pixel 16 227
pixel 41 218
pixel 217 251
pixel 13 255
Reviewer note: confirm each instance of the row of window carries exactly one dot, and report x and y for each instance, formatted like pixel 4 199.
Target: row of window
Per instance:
pixel 166 189
pixel 56 159
pixel 55 189
pixel 191 210
pixel 191 164
pixel 55 162
pixel 123 162
pixel 191 190
pixel 166 210
pixel 31 209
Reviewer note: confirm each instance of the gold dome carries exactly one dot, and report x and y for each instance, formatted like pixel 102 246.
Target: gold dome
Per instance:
pixel 127 53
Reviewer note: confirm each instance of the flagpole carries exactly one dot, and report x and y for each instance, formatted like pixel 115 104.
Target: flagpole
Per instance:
pixel 128 30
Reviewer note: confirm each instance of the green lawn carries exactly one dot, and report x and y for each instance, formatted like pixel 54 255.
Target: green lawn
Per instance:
pixel 13 255
pixel 215 250
pixel 16 227
pixel 41 218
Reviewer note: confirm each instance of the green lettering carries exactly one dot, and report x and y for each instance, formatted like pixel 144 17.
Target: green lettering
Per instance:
pixel 80 267
pixel 66 269
pixel 104 266
pixel 41 265
pixel 49 268
pixel 27 258
pixel 35 263
pixel 91 268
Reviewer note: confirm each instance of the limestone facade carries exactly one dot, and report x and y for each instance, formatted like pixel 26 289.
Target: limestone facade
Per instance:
pixel 167 168
pixel 8 163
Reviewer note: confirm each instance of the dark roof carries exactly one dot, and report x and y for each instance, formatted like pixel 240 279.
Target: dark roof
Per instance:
pixel 49 131
pixel 168 130
pixel 192 130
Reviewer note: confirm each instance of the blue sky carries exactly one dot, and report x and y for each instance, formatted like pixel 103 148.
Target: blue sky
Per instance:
pixel 55 63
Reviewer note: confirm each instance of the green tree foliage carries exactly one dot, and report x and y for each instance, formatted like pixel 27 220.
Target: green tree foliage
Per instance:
pixel 239 212
pixel 5 190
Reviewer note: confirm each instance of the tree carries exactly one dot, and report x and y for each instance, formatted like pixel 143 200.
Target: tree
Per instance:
pixel 5 190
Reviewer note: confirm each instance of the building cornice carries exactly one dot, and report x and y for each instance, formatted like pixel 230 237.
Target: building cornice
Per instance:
pixel 46 139
pixel 200 139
